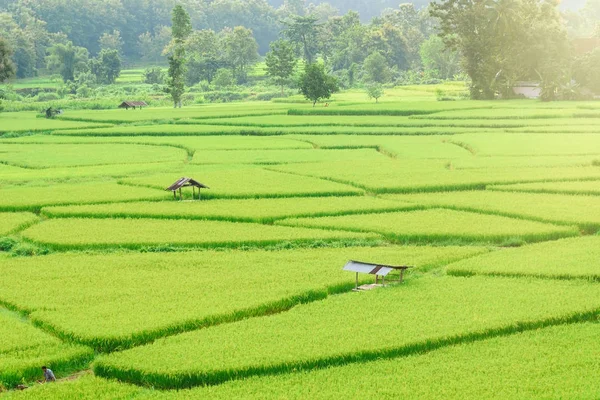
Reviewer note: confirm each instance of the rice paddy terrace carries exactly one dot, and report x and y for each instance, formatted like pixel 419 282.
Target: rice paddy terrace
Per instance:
pixel 129 293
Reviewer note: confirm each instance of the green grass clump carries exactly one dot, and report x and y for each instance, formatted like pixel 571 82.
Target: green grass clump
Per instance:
pixel 583 211
pixel 245 210
pixel 422 315
pixel 283 156
pixel 67 155
pixel 566 187
pixel 439 225
pixel 35 197
pixel 122 300
pixel 11 222
pixel 563 259
pixel 78 233
pixel 24 349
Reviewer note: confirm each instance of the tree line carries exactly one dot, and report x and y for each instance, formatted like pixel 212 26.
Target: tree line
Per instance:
pixel 495 43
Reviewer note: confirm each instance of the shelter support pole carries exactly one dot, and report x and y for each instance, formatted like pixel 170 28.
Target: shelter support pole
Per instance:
pixel 175 194
pixel 193 193
pixel 401 275
pixel 180 195
pixel 356 287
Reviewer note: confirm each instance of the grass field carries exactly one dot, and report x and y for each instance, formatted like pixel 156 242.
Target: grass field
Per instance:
pixel 244 210
pixel 422 315
pixel 90 309
pixel 439 225
pixel 24 349
pixel 29 122
pixel 553 362
pixel 10 222
pixel 583 211
pixel 564 259
pixel 83 233
pixel 34 197
pixel 567 187
pixel 123 289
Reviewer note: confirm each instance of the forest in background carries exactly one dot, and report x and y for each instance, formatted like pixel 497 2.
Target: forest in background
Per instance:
pixel 491 44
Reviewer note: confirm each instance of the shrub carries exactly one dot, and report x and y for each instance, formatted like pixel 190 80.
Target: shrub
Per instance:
pixel 47 96
pixel 7 243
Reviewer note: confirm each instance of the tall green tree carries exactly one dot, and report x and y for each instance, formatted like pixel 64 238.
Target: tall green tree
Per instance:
pixel 241 51
pixel 586 70
pixel 111 41
pixel 205 56
pixel 304 32
pixel 436 58
pixel 503 41
pixel 316 84
pixel 376 69
pixel 106 67
pixel 7 68
pixel 281 62
pixel 181 29
pixel 67 60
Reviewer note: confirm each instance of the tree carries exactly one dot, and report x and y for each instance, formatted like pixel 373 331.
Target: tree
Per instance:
pixel 154 75
pixel 281 62
pixel 304 32
pixel 241 51
pixel 224 78
pixel 376 69
pixel 436 57
pixel 375 91
pixel 7 68
pixel 181 29
pixel 586 71
pixel 111 41
pixel 106 67
pixel 182 24
pixel 67 60
pixel 315 84
pixel 206 56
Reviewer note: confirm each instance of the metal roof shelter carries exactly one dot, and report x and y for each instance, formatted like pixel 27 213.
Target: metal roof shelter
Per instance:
pixel 379 270
pixel 133 104
pixel 186 182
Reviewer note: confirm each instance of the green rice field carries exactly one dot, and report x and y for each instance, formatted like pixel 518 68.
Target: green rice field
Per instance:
pixel 127 290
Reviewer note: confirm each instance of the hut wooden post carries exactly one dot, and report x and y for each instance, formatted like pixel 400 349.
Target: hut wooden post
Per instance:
pixel 187 182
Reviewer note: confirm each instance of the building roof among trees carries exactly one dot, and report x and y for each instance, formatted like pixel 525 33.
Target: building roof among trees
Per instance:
pixel 127 104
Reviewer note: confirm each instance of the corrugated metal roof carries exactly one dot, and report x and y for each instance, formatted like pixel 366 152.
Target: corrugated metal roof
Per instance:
pixel 372 269
pixel 182 182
